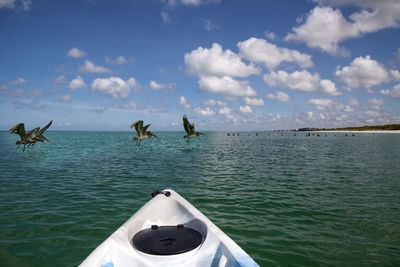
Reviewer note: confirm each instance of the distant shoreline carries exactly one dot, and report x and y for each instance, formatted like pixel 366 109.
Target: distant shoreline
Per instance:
pixel 357 131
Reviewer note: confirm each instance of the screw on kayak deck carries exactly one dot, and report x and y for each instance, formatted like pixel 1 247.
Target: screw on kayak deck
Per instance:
pixel 156 192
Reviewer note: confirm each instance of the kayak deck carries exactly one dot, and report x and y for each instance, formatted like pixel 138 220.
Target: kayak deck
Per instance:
pixel 168 212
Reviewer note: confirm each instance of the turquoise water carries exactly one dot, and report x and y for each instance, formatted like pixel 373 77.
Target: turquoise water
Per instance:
pixel 286 200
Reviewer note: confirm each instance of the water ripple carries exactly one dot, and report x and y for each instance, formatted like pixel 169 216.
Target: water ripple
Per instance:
pixel 304 201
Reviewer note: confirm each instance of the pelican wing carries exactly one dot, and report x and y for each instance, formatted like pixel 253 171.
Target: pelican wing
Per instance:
pixel 186 124
pixel 41 131
pixel 138 127
pixel 19 129
pixel 29 138
pixel 145 128
pixel 35 130
pixel 152 134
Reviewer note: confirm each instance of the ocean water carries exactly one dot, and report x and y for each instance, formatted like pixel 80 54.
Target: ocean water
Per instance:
pixel 286 200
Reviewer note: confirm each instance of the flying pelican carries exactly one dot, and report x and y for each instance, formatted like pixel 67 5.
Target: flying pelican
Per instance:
pixel 39 133
pixel 142 132
pixel 26 139
pixel 189 128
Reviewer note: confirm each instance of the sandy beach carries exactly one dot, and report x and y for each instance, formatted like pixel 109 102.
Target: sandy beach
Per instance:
pixel 348 131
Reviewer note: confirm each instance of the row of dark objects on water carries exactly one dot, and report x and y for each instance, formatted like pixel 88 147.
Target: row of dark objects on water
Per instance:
pixel 233 134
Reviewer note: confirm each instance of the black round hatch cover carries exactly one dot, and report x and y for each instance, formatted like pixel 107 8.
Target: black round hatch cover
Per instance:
pixel 166 240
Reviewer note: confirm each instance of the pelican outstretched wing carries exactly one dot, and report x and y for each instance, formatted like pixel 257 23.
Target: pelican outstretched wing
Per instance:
pixel 29 139
pixel 32 131
pixel 41 131
pixel 39 134
pixel 19 129
pixel 189 128
pixel 145 128
pixel 138 127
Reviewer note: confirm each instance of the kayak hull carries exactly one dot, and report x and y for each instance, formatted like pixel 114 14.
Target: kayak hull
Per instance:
pixel 216 248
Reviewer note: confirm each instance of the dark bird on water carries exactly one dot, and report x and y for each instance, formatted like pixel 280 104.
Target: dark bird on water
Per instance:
pixel 141 132
pixel 189 128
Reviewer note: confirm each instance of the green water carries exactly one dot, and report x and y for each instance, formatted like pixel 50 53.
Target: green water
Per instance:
pixel 286 200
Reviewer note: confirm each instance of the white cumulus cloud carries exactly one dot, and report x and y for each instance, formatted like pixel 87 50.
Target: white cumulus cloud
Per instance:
pixel 191 2
pixel 7 4
pixel 269 35
pixel 354 102
pixel 221 103
pixel 323 104
pixel 260 50
pixel 77 83
pixel 375 101
pixel 16 4
pixel 114 87
pixel 279 96
pixel 76 53
pixel 394 93
pixel 195 3
pixel 224 111
pixel 216 62
pixel 183 102
pixel 325 27
pixel 298 80
pixel 245 109
pixel 18 81
pixel 117 61
pixel 329 88
pixel 207 24
pixel 205 112
pixel 59 80
pixel 210 102
pixel 254 101
pixel 395 75
pixel 93 68
pixel 363 71
pixel 226 86
pixel 160 86
pixel 165 17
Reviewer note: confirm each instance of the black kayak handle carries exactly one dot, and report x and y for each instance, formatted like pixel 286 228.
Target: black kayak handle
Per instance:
pixel 156 192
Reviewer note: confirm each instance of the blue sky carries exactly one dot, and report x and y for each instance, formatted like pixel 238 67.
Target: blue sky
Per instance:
pixel 228 65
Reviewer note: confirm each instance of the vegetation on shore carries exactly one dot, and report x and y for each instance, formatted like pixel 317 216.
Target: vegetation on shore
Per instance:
pixel 365 128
